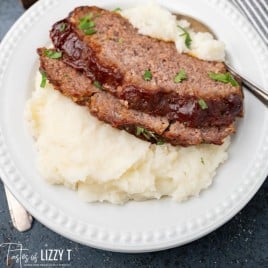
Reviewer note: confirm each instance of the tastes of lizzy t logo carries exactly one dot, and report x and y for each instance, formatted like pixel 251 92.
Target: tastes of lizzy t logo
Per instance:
pixel 15 253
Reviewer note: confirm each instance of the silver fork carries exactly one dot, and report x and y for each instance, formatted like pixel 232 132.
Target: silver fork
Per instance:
pixel 258 91
pixel 21 219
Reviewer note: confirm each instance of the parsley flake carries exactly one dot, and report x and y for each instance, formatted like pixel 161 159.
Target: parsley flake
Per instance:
pixel 160 142
pixel 180 76
pixel 149 135
pixel 188 39
pixel 87 25
pixel 147 76
pixel 202 160
pixel 90 31
pixel 43 80
pixel 118 9
pixel 53 54
pixel 224 78
pixel 98 85
pixel 120 40
pixel 85 19
pixel 203 105
pixel 63 27
pixel 139 130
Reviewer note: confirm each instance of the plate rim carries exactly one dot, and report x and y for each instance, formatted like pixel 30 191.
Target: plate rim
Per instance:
pixel 99 238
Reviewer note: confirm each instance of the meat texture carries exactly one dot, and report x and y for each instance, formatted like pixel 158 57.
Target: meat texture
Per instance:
pixel 106 107
pixel 117 56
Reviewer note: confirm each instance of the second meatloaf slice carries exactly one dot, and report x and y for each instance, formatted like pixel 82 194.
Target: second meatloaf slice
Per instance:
pixel 117 56
pixel 107 108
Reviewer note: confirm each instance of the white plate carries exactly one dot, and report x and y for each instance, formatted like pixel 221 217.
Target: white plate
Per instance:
pixel 136 226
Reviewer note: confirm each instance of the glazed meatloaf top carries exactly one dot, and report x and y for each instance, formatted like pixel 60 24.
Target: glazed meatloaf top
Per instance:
pixel 117 56
pixel 106 107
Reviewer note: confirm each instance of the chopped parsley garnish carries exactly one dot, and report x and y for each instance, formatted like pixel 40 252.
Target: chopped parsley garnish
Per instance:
pixel 120 40
pixel 43 80
pixel 149 135
pixel 224 78
pixel 118 9
pixel 53 54
pixel 63 27
pixel 98 85
pixel 84 21
pixel 160 142
pixel 188 39
pixel 181 75
pixel 87 25
pixel 202 160
pixel 90 31
pixel 147 76
pixel 139 130
pixel 203 105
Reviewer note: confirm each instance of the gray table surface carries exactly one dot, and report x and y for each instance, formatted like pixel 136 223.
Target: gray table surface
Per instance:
pixel 242 242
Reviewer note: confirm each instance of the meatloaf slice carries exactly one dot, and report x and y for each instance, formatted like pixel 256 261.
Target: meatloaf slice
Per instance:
pixel 106 107
pixel 117 56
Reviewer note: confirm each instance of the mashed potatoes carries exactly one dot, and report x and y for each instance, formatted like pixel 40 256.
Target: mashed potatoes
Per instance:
pixel 105 164
pixel 155 21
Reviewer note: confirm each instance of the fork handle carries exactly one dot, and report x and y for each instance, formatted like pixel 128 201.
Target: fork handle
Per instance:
pixel 258 91
pixel 21 219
